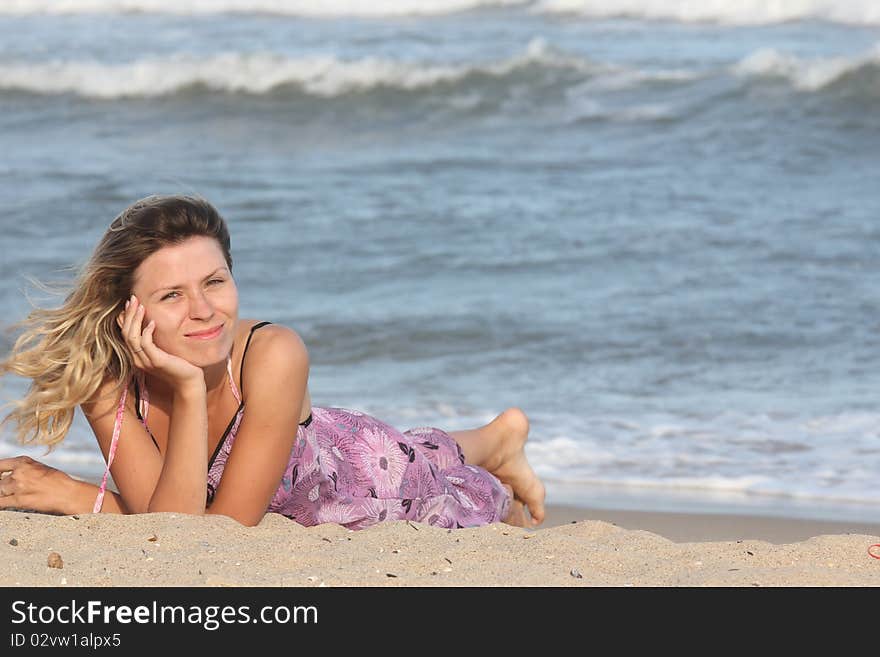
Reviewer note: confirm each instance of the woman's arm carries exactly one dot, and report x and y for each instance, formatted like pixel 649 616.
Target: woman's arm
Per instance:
pixel 137 463
pixel 138 468
pixel 183 480
pixel 81 499
pixel 273 384
pixel 147 482
pixel 32 485
pixel 183 474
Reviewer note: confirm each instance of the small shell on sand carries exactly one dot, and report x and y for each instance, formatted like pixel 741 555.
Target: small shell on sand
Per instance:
pixel 54 560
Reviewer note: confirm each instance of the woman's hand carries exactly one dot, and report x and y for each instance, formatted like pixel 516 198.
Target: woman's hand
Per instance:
pixel 29 484
pixel 150 358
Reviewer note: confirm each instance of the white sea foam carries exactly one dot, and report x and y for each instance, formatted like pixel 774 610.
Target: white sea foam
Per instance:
pixel 738 12
pixel 734 488
pixel 329 76
pixel 740 458
pixel 260 73
pixel 804 74
pixel 308 8
pixel 559 457
pixel 743 12
pixel 733 484
pixel 587 110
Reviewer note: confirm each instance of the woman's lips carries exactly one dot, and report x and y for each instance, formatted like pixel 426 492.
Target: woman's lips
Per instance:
pixel 206 335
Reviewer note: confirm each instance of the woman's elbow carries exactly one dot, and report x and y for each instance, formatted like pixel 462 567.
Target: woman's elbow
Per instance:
pixel 246 519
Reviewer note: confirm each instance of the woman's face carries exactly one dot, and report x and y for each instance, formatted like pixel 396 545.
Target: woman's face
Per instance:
pixel 189 291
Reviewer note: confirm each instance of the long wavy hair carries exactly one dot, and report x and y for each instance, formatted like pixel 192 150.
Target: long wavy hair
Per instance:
pixel 69 352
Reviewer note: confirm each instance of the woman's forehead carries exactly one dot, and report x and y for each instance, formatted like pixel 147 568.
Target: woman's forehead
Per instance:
pixel 193 258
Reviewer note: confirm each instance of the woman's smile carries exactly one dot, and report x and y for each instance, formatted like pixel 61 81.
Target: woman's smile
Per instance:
pixel 208 334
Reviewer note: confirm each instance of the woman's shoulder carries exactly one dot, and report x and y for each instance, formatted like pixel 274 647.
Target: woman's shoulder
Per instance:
pixel 270 342
pixel 258 330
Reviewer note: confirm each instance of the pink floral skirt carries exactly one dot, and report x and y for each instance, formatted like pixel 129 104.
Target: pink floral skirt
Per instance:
pixel 354 470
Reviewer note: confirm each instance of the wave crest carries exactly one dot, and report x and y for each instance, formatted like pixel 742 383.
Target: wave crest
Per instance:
pixel 261 73
pixel 812 75
pixel 741 12
pixel 304 8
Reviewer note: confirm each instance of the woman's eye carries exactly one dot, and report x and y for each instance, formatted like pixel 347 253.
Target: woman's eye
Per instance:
pixel 213 281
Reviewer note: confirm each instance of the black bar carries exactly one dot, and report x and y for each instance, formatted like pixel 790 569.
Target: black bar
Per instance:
pixel 243 618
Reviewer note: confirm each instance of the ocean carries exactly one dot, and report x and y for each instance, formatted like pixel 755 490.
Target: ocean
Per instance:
pixel 654 226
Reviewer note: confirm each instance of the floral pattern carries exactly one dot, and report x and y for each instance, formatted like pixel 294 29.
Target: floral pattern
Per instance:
pixel 355 470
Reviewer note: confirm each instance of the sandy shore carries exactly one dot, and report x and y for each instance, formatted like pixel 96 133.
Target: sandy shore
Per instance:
pixel 576 547
pixel 692 527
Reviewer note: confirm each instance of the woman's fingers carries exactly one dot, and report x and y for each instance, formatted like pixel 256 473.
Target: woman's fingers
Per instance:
pixel 8 464
pixel 134 328
pixel 132 319
pixel 129 313
pixel 146 354
pixel 27 483
pixel 147 338
pixel 9 501
pixel 149 351
pixel 7 486
pixel 8 483
pixel 131 307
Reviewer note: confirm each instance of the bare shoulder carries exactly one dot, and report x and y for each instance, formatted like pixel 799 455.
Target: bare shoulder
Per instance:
pixel 275 353
pixel 275 340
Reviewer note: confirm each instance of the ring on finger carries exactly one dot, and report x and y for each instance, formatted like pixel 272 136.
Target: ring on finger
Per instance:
pixel 137 351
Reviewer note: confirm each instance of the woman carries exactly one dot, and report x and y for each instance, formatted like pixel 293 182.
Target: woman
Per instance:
pixel 197 411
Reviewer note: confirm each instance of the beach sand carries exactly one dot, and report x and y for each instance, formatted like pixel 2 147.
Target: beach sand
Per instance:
pixel 575 547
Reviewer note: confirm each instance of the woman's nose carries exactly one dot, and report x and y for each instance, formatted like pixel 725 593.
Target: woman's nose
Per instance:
pixel 200 306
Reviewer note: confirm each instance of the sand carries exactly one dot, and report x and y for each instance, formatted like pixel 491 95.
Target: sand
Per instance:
pixel 575 547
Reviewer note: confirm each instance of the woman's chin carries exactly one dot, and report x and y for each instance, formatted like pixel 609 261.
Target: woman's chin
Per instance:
pixel 208 354
pixel 207 360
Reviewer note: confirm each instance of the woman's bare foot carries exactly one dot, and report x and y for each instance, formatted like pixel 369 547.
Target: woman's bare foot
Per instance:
pixel 508 462
pixel 516 514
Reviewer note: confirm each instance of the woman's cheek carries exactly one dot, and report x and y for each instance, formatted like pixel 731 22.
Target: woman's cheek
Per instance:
pixel 160 338
pixel 158 333
pixel 232 301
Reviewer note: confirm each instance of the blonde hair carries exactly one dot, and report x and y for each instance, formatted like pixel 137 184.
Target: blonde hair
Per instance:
pixel 70 351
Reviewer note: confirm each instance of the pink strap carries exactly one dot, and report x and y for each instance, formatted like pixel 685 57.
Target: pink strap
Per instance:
pixel 117 427
pixel 145 398
pixel 231 380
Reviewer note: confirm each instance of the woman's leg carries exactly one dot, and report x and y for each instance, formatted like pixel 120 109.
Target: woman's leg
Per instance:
pixel 499 447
